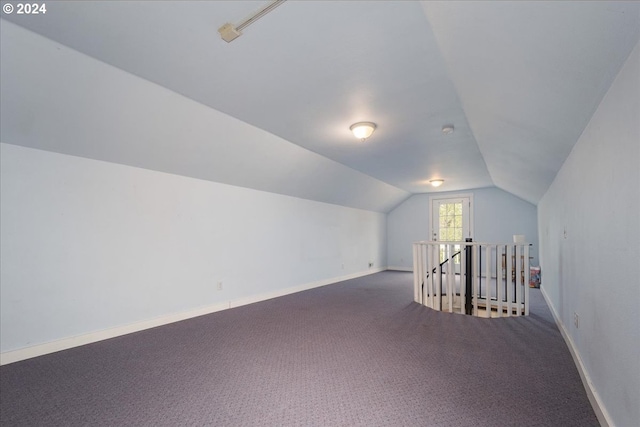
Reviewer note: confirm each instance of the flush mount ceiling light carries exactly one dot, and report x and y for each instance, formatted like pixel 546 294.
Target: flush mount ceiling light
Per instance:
pixel 447 129
pixel 436 182
pixel 230 32
pixel 362 130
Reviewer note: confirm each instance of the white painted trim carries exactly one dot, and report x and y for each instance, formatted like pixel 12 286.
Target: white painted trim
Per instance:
pixel 396 268
pixel 594 398
pixel 76 341
pixel 292 290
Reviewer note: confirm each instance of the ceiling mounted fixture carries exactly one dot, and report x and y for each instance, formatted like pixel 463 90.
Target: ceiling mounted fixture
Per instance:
pixel 447 129
pixel 362 130
pixel 436 182
pixel 230 32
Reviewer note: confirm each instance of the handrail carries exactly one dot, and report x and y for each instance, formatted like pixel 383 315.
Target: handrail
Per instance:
pixel 441 264
pixel 447 260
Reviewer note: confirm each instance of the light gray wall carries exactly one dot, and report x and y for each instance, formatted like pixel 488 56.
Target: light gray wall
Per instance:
pixel 88 245
pixel 594 268
pixel 57 99
pixel 498 215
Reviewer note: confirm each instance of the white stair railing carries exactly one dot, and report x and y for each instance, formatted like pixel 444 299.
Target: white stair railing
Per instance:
pixel 482 279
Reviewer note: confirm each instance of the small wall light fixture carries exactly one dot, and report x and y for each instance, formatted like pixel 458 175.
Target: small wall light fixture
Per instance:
pixel 436 182
pixel 362 130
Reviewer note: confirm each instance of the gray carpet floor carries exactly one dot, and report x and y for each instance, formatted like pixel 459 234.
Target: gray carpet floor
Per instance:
pixel 356 353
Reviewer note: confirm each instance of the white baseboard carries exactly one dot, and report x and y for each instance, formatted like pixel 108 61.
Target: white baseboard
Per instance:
pixel 292 290
pixel 594 398
pixel 76 341
pixel 397 268
pixel 70 342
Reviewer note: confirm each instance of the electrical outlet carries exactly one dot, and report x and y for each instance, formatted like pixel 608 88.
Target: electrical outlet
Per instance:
pixel 576 320
pixel 219 286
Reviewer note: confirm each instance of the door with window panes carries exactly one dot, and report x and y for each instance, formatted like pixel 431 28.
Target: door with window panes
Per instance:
pixel 450 222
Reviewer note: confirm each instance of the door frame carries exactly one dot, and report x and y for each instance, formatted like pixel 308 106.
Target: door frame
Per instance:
pixel 451 196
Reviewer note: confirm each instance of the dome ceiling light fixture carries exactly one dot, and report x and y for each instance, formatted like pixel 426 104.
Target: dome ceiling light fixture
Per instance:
pixel 447 129
pixel 363 130
pixel 436 182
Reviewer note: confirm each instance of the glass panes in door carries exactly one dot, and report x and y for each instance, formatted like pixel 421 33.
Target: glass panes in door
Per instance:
pixel 450 223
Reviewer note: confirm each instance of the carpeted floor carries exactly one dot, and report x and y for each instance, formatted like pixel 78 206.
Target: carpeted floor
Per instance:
pixel 357 353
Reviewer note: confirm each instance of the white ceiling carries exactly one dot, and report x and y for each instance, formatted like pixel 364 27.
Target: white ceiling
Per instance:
pixel 519 80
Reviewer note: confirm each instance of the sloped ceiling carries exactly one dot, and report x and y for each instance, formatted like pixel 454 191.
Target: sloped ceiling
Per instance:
pixel 518 80
pixel 530 75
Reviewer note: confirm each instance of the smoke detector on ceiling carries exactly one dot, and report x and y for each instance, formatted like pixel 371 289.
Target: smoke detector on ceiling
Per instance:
pixel 447 129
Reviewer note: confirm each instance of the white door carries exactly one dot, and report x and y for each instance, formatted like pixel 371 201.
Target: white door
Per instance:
pixel 451 222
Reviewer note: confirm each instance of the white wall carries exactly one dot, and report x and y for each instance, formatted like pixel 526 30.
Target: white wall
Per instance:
pixel 92 246
pixel 88 245
pixel 498 215
pixel 594 268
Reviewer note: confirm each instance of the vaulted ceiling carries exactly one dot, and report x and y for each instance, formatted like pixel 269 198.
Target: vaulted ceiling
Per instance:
pixel 518 80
